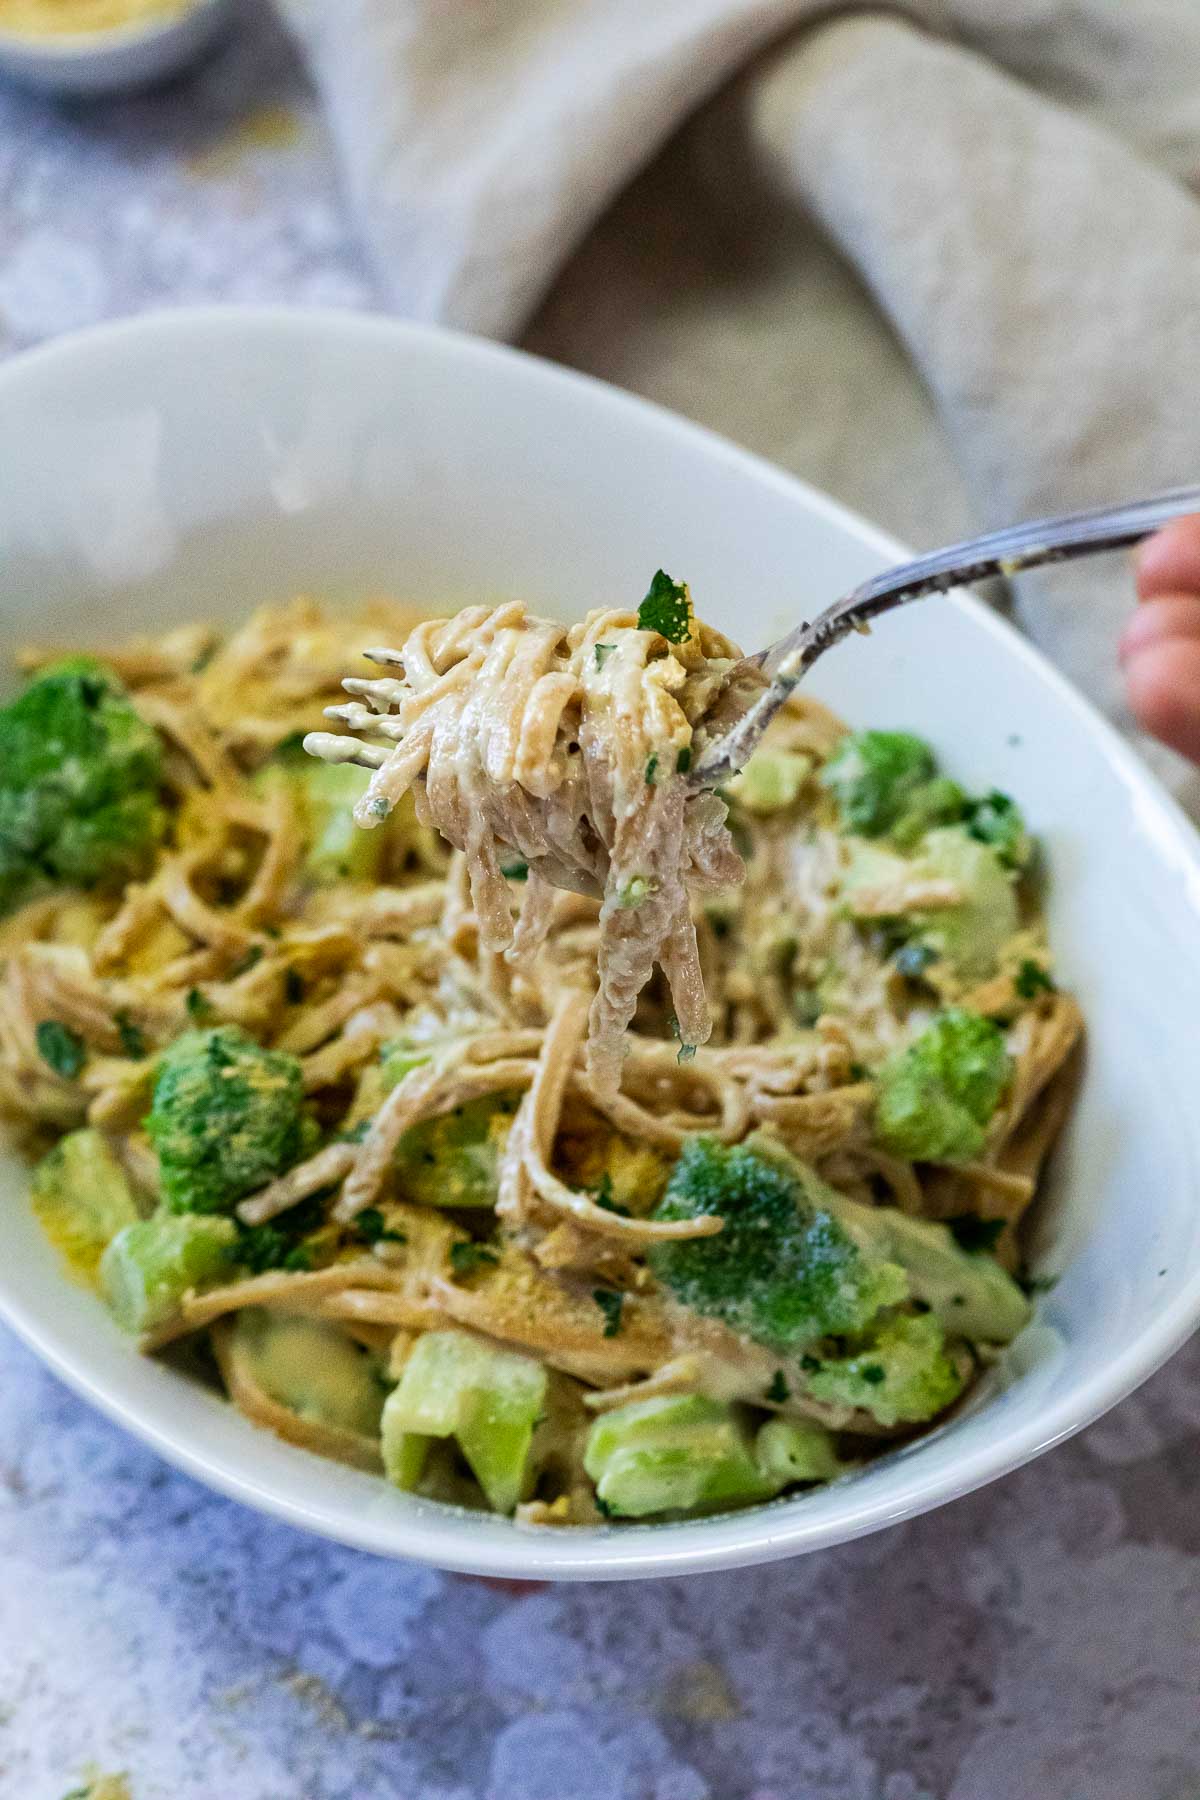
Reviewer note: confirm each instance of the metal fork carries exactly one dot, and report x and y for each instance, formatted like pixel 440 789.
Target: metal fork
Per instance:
pixel 1005 552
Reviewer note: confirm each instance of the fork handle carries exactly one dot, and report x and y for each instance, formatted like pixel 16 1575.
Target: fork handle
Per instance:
pixel 1006 552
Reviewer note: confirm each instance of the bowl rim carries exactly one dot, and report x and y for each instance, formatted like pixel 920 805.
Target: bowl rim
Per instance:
pixel 82 46
pixel 452 1539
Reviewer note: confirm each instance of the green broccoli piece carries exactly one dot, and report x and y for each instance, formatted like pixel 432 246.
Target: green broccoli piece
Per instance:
pixel 873 776
pixel 455 1160
pixel 782 1271
pixel 226 1118
pixel 972 935
pixel 81 1198
pixel 667 609
pixel 772 780
pixel 312 1368
pixel 325 795
pixel 966 1288
pixel 488 1399
pixel 899 1372
pixel 936 1097
pixel 680 1453
pixel 936 802
pixel 151 1264
pixel 996 819
pixel 791 1450
pixel 79 784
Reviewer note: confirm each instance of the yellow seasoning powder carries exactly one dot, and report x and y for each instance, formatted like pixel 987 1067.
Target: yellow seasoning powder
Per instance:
pixel 60 18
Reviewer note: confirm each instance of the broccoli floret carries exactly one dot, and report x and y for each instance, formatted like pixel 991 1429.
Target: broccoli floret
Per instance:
pixel 782 1271
pixel 79 784
pixel 667 609
pixel 996 820
pixel 936 1097
pixel 936 802
pixel 151 1264
pixel 455 1160
pixel 82 1198
pixel 873 776
pixel 899 1372
pixel 226 1119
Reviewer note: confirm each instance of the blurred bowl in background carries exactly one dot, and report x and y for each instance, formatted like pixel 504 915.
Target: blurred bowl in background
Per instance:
pixel 118 59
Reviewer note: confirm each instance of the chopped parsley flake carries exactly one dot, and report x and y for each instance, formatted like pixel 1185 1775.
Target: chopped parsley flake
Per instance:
pixel 60 1047
pixel 652 769
pixel 372 1227
pixel 133 1043
pixel 683 760
pixel 1031 980
pixel 516 871
pixel 379 808
pixel 252 958
pixel 973 1233
pixel 603 652
pixel 200 1009
pixel 666 609
pixel 875 1373
pixel 610 1305
pixel 466 1257
pixel 779 1391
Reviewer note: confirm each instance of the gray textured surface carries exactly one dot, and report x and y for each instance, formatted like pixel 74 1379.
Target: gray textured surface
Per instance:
pixel 1040 1641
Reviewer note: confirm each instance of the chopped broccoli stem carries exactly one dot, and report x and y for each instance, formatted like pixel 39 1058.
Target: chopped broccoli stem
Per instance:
pixel 782 1270
pixel 792 1450
pixel 680 1453
pixel 937 1097
pixel 152 1263
pixel 667 609
pixel 772 780
pixel 968 1290
pixel 79 784
pixel 81 1198
pixel 226 1118
pixel 312 1368
pixel 488 1399
pixel 454 1160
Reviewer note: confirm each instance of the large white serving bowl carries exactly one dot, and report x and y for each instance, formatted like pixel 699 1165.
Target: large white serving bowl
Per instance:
pixel 199 463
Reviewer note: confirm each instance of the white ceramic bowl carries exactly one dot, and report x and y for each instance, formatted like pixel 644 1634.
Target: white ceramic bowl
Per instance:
pixel 117 61
pixel 202 462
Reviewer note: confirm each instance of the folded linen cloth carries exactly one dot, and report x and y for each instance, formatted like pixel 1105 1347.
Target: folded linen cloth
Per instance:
pixel 691 196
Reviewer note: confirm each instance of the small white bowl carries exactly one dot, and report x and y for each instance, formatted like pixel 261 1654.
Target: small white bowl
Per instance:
pixel 118 60
pixel 198 463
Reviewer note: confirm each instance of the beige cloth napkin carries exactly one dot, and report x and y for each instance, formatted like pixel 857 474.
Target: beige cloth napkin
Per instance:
pixel 942 259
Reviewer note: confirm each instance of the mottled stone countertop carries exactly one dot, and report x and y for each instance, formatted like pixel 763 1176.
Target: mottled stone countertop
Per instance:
pixel 1039 1641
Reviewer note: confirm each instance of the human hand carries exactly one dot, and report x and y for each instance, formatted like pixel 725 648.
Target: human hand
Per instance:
pixel 1160 647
